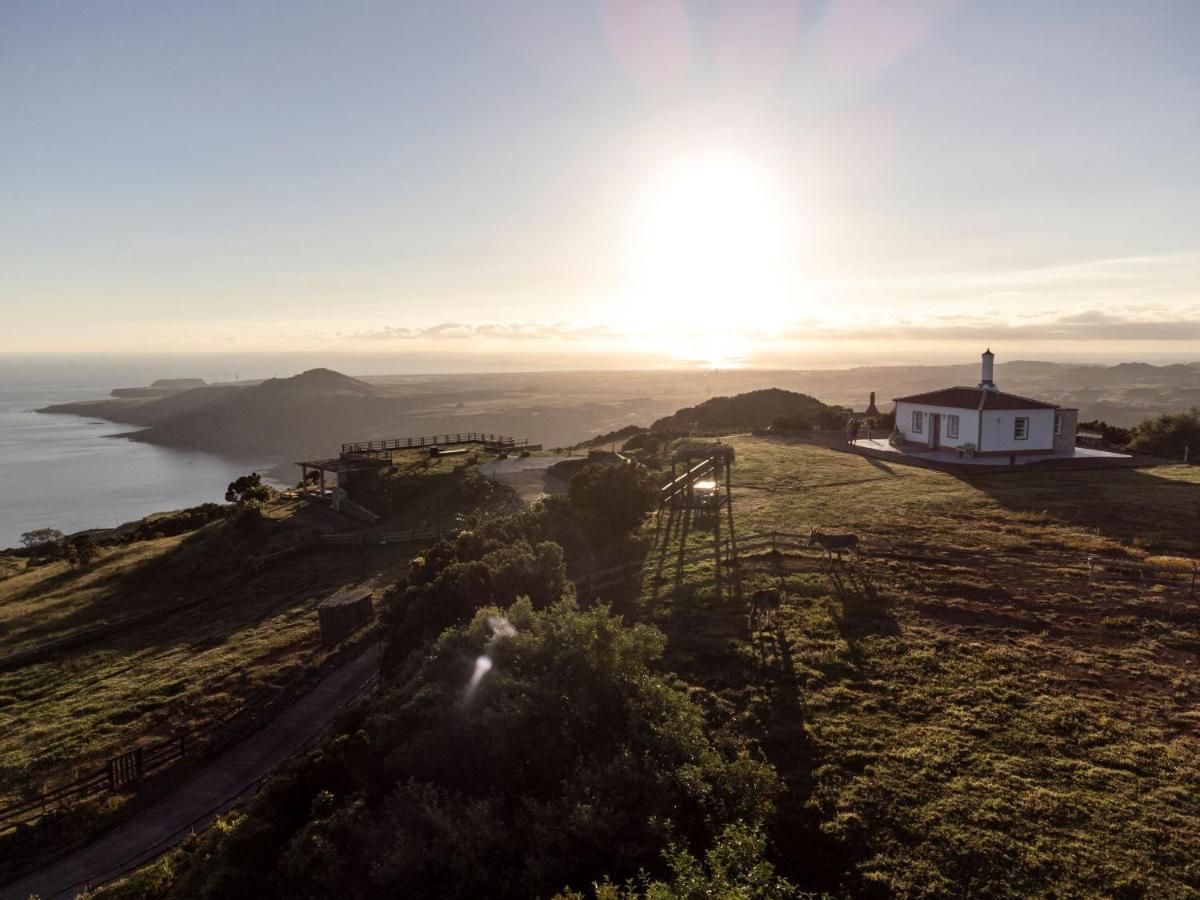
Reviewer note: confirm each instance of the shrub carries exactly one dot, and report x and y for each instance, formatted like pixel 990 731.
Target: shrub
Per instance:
pixel 248 490
pixel 1167 435
pixel 571 758
pixel 612 499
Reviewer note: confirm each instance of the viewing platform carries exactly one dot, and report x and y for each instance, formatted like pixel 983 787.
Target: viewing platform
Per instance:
pixel 384 448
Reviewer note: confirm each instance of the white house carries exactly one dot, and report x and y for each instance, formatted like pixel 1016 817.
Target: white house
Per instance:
pixel 994 422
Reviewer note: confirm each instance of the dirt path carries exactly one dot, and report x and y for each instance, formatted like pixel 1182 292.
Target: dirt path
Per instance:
pixel 205 795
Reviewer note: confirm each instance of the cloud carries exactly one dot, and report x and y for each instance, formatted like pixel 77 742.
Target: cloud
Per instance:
pixel 514 331
pixel 1129 323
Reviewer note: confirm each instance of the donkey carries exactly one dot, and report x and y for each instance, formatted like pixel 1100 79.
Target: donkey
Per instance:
pixel 764 608
pixel 834 543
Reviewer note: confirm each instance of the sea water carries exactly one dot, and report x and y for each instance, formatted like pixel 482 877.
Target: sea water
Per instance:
pixel 74 472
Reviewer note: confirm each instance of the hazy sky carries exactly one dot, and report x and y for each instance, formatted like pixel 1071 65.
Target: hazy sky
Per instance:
pixel 709 179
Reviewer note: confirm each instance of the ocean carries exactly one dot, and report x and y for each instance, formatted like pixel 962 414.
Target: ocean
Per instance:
pixel 71 472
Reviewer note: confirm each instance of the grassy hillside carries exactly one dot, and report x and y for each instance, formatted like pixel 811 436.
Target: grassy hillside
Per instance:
pixel 957 714
pixel 145 676
pixel 981 725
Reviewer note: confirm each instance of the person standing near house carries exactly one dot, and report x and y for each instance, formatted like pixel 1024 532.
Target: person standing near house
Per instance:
pixel 850 431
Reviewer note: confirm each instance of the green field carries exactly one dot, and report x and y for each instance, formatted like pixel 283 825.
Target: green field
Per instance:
pixel 249 636
pixel 974 721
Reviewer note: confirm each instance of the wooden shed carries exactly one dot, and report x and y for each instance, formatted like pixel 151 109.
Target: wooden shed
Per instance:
pixel 343 614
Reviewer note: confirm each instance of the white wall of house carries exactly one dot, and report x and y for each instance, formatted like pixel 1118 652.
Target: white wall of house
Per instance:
pixel 999 429
pixel 968 424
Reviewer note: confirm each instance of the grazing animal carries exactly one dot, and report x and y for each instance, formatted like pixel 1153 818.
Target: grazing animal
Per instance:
pixel 764 607
pixel 834 543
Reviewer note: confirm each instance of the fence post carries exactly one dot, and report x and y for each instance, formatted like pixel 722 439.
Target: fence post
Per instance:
pixel 1091 570
pixel 139 767
pixel 774 542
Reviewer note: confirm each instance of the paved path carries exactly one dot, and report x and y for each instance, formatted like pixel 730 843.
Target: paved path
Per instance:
pixel 210 792
pixel 527 475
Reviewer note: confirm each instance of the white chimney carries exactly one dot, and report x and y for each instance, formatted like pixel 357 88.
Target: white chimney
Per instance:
pixel 985 381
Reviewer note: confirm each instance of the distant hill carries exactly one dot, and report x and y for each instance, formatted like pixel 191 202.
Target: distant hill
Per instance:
pixel 322 382
pixel 161 387
pixel 755 409
pixel 314 410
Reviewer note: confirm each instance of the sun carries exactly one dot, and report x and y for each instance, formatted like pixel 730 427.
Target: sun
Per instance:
pixel 712 253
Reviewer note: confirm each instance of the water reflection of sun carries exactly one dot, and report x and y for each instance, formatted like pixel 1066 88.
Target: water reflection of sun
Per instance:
pixel 712 258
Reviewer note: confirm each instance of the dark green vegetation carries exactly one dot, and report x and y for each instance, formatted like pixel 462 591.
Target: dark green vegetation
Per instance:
pixel 1169 435
pixel 248 490
pixel 756 409
pixel 419 489
pixel 571 756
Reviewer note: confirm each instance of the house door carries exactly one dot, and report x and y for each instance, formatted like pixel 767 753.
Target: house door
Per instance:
pixel 935 431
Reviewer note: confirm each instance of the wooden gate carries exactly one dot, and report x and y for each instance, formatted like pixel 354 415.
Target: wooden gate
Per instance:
pixel 125 768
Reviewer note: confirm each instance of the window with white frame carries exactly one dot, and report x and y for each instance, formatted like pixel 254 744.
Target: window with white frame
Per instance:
pixel 918 422
pixel 952 426
pixel 1057 423
pixel 1021 428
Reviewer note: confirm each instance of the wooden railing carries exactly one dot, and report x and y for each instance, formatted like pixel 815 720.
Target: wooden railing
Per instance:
pixel 365 538
pixel 1102 569
pixel 501 441
pixel 678 485
pixel 131 766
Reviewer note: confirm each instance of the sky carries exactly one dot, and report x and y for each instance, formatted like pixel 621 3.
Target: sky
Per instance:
pixel 722 183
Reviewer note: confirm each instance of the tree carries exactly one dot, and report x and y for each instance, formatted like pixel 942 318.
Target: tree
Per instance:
pixel 1167 435
pixel 79 550
pixel 612 499
pixel 43 542
pixel 248 490
pixel 41 537
pixel 1110 434
pixel 568 756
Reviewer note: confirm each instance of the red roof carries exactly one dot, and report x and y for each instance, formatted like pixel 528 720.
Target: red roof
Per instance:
pixel 970 398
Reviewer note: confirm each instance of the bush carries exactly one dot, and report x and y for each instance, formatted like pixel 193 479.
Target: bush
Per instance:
pixel 754 409
pixel 248 490
pixel 1167 435
pixel 43 542
pixel 570 759
pixel 1111 434
pixel 458 576
pixel 612 499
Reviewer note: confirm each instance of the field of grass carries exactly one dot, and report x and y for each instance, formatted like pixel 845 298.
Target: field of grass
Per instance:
pixel 958 714
pixel 250 634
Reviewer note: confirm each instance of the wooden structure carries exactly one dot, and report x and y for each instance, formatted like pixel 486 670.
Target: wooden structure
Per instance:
pixel 702 489
pixel 343 614
pixel 359 456
pixel 491 442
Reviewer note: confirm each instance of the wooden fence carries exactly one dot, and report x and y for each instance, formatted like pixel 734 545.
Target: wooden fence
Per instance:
pixel 587 585
pixel 498 441
pixel 130 767
pixel 364 538
pixel 1102 569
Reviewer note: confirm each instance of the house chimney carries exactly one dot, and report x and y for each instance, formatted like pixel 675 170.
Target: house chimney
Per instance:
pixel 986 381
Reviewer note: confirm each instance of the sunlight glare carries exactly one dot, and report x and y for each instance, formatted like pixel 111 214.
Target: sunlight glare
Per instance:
pixel 713 256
